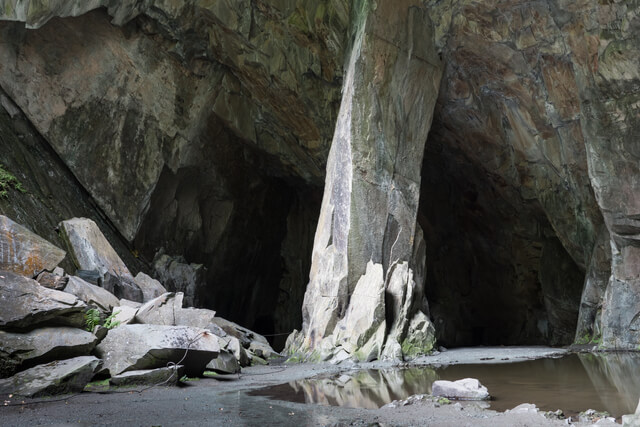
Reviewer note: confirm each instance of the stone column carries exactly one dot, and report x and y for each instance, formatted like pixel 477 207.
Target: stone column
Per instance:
pixel 365 296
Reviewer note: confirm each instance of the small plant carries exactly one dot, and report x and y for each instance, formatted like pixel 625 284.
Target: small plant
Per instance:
pixel 91 319
pixel 444 401
pixel 110 322
pixel 8 181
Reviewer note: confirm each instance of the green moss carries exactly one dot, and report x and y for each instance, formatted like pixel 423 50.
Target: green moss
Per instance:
pixel 589 339
pixel 410 349
pixel 7 182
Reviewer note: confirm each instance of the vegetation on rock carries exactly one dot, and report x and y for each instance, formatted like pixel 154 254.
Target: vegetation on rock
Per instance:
pixel 8 181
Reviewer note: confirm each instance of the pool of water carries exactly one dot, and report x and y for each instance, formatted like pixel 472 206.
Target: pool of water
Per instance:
pixel 574 383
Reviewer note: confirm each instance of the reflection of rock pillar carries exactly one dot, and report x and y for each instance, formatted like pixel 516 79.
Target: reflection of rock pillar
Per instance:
pixel 368 250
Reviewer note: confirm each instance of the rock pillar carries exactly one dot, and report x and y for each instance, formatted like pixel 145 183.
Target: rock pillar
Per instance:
pixel 365 296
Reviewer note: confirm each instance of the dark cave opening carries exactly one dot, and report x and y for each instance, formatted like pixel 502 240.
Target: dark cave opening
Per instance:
pixel 496 272
pixel 253 232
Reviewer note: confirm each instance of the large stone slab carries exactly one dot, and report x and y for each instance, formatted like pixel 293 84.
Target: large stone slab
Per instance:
pixel 59 377
pixel 137 347
pixel 24 252
pixel 156 377
pixel 167 310
pixel 372 185
pixel 42 345
pixel 24 304
pixel 89 249
pixel 91 294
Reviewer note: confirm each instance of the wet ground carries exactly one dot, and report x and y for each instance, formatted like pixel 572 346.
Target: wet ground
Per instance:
pixel 226 402
pixel 573 383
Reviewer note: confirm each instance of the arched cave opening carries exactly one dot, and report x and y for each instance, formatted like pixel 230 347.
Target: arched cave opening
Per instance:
pixel 497 274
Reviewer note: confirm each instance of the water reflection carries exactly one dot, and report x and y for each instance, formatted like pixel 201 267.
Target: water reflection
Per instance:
pixel 574 383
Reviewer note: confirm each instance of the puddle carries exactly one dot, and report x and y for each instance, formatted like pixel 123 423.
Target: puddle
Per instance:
pixel 604 382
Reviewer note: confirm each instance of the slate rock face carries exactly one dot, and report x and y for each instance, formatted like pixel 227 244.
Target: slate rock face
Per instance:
pixel 370 201
pixel 43 345
pixel 59 377
pixel 136 347
pixel 24 252
pixel 24 304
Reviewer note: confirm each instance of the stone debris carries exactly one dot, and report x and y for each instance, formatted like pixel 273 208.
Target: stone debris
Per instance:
pixel 135 347
pixel 178 276
pixel 25 304
pixel 23 252
pixel 122 286
pixel 92 295
pixel 124 314
pixel 465 389
pixel 43 345
pixel 168 376
pixel 225 363
pixel 150 287
pixel 59 377
pixel 89 249
pixel 52 280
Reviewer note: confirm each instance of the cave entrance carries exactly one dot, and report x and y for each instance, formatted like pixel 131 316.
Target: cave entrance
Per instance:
pixel 496 272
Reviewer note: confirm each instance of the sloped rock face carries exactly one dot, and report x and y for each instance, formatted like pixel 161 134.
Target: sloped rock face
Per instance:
pixel 24 252
pixel 194 108
pixel 218 117
pixel 367 221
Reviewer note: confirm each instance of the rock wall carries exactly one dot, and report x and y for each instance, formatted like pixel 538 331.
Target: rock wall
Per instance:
pixel 367 258
pixel 205 128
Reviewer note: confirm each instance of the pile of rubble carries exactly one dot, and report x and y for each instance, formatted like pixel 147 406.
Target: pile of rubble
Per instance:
pixel 59 331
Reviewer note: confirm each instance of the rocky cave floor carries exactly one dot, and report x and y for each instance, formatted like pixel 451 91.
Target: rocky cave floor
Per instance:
pixel 225 400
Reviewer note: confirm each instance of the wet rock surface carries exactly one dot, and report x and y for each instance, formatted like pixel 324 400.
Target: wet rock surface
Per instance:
pixel 59 377
pixel 136 347
pixel 25 304
pixel 42 345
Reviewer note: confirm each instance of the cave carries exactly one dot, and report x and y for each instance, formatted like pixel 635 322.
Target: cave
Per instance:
pixel 496 272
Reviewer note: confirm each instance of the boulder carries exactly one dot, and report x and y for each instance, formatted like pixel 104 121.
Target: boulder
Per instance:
pixel 136 347
pixel 161 310
pixel 92 295
pixel 179 276
pixel 52 280
pixel 245 335
pixel 124 314
pixel 225 363
pixel 122 286
pixel 59 377
pixel 18 351
pixel 160 376
pixel 150 287
pixel 198 317
pixel 232 345
pixel 89 249
pixel 25 304
pixel 24 252
pixel 465 389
